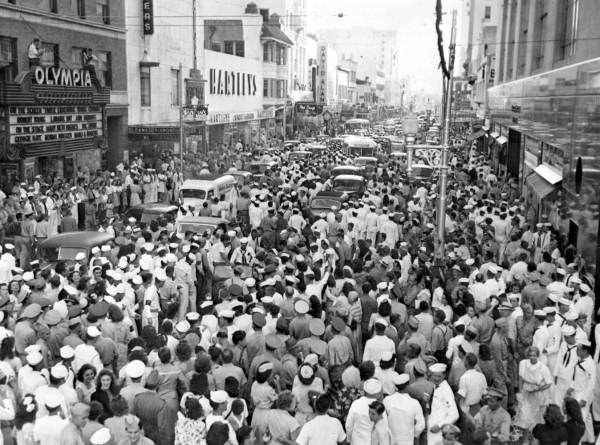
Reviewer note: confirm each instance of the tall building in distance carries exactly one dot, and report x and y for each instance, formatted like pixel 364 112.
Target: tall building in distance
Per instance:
pixel 543 122
pixel 65 109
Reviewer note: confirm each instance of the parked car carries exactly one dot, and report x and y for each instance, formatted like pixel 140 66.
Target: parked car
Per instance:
pixel 65 246
pixel 148 212
pixel 347 170
pixel 323 202
pixel 199 224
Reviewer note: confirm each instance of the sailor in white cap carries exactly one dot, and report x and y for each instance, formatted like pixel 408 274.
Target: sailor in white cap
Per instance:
pixel 565 363
pixel 48 427
pixel 405 415
pixel 585 305
pixel 358 423
pixel 379 344
pixel 442 402
pixel 584 376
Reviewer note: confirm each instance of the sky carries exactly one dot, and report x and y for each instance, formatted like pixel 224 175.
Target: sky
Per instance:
pixel 414 20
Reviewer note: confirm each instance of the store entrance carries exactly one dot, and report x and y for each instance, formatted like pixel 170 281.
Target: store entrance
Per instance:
pixel 55 167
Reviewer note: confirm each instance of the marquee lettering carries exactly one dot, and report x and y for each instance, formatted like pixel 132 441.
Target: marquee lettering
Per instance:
pixel 231 83
pixel 65 77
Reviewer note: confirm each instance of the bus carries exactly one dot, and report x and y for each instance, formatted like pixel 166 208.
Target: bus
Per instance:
pixel 356 125
pixel 359 146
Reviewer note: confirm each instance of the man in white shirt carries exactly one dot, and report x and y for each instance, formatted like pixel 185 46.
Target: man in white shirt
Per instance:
pixel 471 386
pixel 322 429
pixel 379 343
pixel 87 353
pixel 405 415
pixel 48 429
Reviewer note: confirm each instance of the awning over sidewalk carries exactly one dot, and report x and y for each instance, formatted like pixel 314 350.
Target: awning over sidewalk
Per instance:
pixel 502 140
pixel 540 186
pixel 495 135
pixel 475 135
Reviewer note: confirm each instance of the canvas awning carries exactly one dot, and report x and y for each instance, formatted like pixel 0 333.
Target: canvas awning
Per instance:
pixel 475 135
pixel 540 186
pixel 502 140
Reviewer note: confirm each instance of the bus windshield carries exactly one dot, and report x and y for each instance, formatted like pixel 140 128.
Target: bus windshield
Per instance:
pixel 193 193
pixel 346 184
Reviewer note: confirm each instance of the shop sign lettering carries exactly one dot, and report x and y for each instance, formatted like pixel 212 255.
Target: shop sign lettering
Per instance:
pixel 231 83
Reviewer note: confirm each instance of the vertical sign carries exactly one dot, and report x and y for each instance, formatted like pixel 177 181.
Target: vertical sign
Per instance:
pixel 148 16
pixel 322 97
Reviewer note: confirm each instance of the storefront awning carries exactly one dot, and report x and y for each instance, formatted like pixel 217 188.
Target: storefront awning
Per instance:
pixel 502 140
pixel 540 186
pixel 484 128
pixel 495 135
pixel 475 135
pixel 548 174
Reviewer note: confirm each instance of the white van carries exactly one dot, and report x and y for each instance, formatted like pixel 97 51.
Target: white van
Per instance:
pixel 194 192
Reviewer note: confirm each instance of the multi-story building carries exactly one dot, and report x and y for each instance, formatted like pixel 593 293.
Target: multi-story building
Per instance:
pixel 545 114
pixel 65 109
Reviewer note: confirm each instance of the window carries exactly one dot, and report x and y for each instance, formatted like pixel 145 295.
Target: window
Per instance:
pixel 102 11
pixel 488 12
pixel 145 86
pixel 540 34
pixel 103 66
pixel 53 5
pixel 266 88
pixel 239 48
pixel 522 48
pixel 50 55
pixel 175 87
pixel 566 29
pixel 8 59
pixel 266 52
pixel 229 47
pixel 215 47
pixel 81 8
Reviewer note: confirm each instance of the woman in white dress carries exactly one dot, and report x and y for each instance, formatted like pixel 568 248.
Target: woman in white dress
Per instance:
pixel 535 390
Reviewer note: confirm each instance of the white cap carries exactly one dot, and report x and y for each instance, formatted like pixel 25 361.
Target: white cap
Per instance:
pixel 437 368
pixel 67 352
pixel 301 306
pixel 160 275
pixel 95 249
pixel 250 282
pixel 135 369
pixel 171 258
pixel 469 261
pixel 386 356
pixel 219 396
pixel 34 358
pixel 401 379
pixel 101 437
pixel 93 332
pixel 568 330
pixel 182 326
pixel 583 342
pixel 382 322
pixel 105 248
pixel 59 371
pixel 80 256
pixel 585 288
pixel 372 386
pixel 28 276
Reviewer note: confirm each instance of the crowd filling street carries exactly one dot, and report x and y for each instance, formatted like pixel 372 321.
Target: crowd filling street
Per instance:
pixel 344 326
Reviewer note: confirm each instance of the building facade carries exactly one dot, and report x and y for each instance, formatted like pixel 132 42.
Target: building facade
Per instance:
pixel 545 115
pixel 65 110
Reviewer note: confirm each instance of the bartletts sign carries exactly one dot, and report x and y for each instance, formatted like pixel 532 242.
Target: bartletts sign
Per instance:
pixel 231 83
pixel 65 77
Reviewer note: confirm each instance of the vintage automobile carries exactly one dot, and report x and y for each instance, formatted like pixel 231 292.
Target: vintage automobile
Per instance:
pixel 149 212
pixel 349 184
pixel 199 224
pixel 65 246
pixel 323 202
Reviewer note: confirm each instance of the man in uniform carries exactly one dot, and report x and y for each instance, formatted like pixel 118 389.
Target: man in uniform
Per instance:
pixel 405 415
pixel 493 418
pixel 443 405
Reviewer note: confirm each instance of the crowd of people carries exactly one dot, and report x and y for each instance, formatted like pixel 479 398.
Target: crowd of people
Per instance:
pixel 345 328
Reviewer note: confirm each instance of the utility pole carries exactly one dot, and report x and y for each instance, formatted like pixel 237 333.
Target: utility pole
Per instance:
pixel 446 136
pixel 179 94
pixel 194 35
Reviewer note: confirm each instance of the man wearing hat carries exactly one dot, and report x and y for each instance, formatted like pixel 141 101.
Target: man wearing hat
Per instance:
pixel 300 324
pixel 25 334
pixel 255 342
pixel 47 429
pixel 86 352
pixel 443 405
pixel 72 433
pixel 157 417
pixel 376 346
pixel 272 344
pixel 565 363
pixel 405 415
pixel 493 418
pixel 314 344
pixel 358 423
pixel 583 385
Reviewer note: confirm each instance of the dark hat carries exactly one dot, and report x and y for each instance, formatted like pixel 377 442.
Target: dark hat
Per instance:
pixel 259 319
pixel 270 268
pixel 281 324
pixel 99 309
pixel 338 324
pixel 153 379
pixel 235 290
pixel 273 342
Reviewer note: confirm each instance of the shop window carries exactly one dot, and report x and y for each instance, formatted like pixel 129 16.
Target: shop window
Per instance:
pixel 239 48
pixel 266 88
pixel 8 59
pixel 145 86
pixel 488 12
pixel 175 87
pixel 50 56
pixel 267 52
pixel 102 11
pixel 229 47
pixel 81 8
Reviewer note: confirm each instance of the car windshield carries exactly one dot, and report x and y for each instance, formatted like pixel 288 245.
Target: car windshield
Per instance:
pixel 69 253
pixel 194 227
pixel 346 184
pixel 257 168
pixel 193 193
pixel 365 162
pixel 324 203
pixel 422 171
